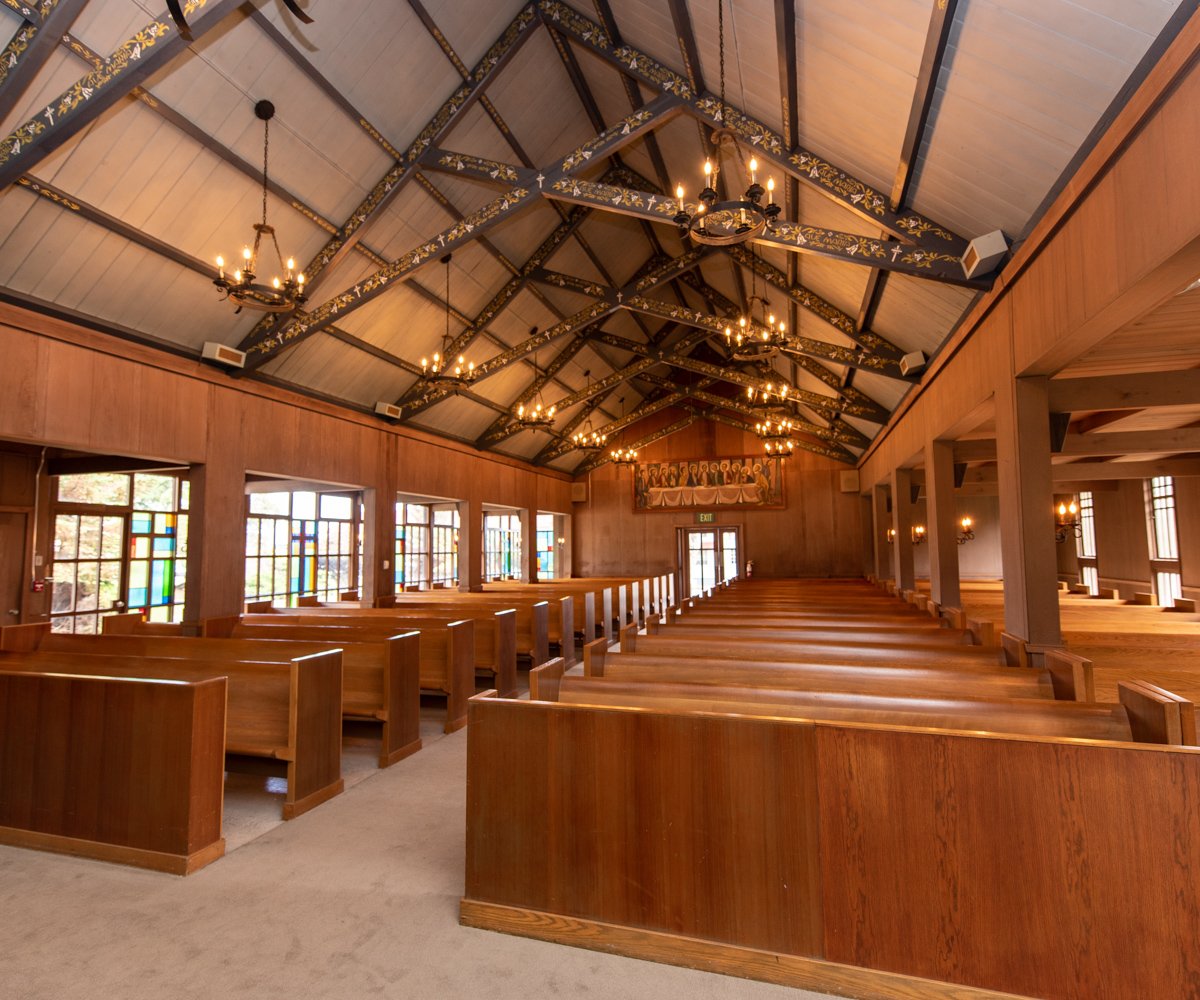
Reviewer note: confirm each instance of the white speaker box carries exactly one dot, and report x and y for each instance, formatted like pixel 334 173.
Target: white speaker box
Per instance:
pixel 229 356
pixel 850 481
pixel 913 364
pixel 984 253
pixel 389 410
pixel 579 492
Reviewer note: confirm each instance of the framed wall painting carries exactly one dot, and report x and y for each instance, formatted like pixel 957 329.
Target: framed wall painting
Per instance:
pixel 743 482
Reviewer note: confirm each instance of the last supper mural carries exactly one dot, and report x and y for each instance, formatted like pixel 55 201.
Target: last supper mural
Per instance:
pixel 743 481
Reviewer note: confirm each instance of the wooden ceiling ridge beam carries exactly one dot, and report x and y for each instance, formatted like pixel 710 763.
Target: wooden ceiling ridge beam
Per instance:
pixel 663 432
pixel 27 51
pixel 137 58
pixel 266 335
pixel 834 183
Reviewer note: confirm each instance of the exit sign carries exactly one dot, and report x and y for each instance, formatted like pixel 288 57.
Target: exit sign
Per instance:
pixel 706 517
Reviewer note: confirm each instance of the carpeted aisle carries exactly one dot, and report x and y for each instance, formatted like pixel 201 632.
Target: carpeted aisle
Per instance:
pixel 358 898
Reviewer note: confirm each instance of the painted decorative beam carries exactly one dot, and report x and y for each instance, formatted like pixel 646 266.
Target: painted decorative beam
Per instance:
pixel 789 91
pixel 28 50
pixel 32 14
pixel 842 322
pixel 402 171
pixel 798 344
pixel 835 184
pixel 663 432
pixel 681 19
pixel 829 434
pixel 502 427
pixel 816 447
pixel 793 237
pixel 410 400
pixel 476 167
pixel 138 57
pixel 866 404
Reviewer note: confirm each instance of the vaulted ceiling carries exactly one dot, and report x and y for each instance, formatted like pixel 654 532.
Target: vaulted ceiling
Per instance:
pixel 539 144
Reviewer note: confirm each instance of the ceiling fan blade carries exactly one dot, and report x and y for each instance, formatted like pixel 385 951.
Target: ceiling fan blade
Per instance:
pixel 176 13
pixel 291 5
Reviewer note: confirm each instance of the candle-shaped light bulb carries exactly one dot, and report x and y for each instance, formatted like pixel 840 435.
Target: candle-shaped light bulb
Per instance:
pixel 707 169
pixel 1073 508
pixel 679 196
pixel 237 275
pixel 300 278
pixel 742 321
pixel 424 364
pixel 221 267
pixel 275 282
pixel 782 326
pixel 245 253
pixel 291 265
pixel 1062 510
pixel 753 170
pixel 770 190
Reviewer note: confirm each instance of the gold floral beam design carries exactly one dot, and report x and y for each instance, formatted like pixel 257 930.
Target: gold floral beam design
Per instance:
pixel 403 170
pixel 813 303
pixel 138 57
pixel 836 184
pixel 663 432
pixel 503 426
pixel 28 50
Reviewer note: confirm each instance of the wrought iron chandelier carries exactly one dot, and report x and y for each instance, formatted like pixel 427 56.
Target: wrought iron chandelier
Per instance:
pixel 538 415
pixel 724 223
pixel 623 454
pixel 758 335
pixel 440 371
pixel 776 436
pixel 587 439
pixel 282 295
pixel 769 395
pixel 176 12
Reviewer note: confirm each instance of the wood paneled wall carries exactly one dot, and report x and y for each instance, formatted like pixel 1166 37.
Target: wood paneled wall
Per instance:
pixel 820 533
pixel 69 387
pixel 1187 501
pixel 978 559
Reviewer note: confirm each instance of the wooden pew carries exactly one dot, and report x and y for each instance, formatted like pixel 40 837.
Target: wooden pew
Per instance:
pixel 936 681
pixel 123 770
pixel 1031 717
pixel 495 633
pixel 280 717
pixel 532 624
pixel 836 853
pixel 380 680
pixel 447 651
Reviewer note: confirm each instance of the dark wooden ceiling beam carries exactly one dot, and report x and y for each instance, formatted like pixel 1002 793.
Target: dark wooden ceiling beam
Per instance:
pixel 137 58
pixel 789 91
pixel 402 171
pixel 832 182
pixel 643 442
pixel 27 51
pixel 681 18
pixel 302 63
pixel 816 447
pixel 500 427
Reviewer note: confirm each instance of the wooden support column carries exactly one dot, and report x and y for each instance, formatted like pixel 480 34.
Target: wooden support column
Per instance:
pixel 529 563
pixel 379 542
pixel 1027 547
pixel 883 521
pixel 943 523
pixel 470 545
pixel 216 576
pixel 902 521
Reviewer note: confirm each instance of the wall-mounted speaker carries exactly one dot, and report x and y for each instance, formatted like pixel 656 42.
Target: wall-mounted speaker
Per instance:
pixel 984 253
pixel 579 492
pixel 849 481
pixel 389 410
pixel 914 363
pixel 230 357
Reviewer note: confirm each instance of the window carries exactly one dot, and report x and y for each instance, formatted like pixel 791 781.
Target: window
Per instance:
pixel 301 542
pixel 120 543
pixel 1086 544
pixel 445 547
pixel 412 546
pixel 501 546
pixel 1163 539
pixel 546 533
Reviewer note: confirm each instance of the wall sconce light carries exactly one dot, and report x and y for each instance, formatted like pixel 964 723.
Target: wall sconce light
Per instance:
pixel 918 534
pixel 891 535
pixel 966 530
pixel 1066 522
pixel 561 540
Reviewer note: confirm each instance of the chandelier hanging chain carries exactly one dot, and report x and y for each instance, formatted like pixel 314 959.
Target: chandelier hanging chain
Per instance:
pixel 445 370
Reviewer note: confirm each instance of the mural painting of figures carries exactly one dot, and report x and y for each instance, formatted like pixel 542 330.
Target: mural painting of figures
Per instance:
pixel 708 484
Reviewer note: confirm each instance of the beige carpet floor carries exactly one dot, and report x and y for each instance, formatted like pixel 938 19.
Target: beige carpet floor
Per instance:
pixel 358 898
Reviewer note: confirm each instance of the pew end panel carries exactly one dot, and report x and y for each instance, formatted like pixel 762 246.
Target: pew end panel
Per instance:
pixel 314 772
pixel 540 613
pixel 401 698
pixel 1071 675
pixel 566 612
pixel 593 658
pixel 259 607
pixel 1013 649
pixel 460 672
pixel 506 652
pixel 1157 715
pixel 23 638
pixel 151 797
pixel 628 638
pixel 220 628
pixel 983 633
pixel 544 681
